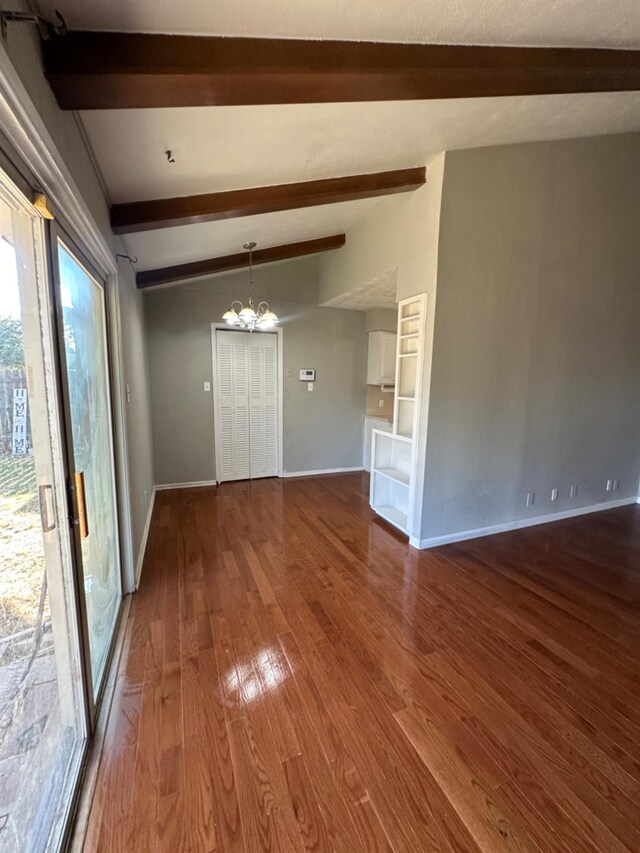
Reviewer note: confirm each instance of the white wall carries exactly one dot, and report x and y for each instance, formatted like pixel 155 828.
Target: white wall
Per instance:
pixel 536 353
pixel 323 429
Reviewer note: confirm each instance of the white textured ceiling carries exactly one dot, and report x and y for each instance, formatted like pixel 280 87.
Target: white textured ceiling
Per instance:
pixel 380 293
pixel 169 246
pixel 220 148
pixel 600 23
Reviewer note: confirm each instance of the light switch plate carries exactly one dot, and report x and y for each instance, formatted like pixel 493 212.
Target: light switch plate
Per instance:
pixel 207 386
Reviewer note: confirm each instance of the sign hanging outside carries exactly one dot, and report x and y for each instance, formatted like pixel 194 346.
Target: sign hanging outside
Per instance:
pixel 19 437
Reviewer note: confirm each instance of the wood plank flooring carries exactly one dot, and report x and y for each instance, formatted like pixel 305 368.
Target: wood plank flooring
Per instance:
pixel 296 678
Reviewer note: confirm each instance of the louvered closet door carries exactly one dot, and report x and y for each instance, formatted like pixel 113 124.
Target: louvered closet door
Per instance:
pixel 232 406
pixel 263 404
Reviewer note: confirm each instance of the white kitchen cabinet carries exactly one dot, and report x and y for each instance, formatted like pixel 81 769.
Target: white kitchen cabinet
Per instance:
pixel 381 364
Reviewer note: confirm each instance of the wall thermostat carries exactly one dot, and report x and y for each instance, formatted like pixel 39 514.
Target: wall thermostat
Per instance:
pixel 307 374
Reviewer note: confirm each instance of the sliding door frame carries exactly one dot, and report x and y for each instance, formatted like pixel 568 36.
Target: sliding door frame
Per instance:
pixel 56 236
pixel 60 468
pixel 225 327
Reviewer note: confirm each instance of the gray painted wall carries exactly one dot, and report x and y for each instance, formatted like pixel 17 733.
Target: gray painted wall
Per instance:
pixel 23 47
pixel 138 408
pixel 381 320
pixel 323 429
pixel 536 351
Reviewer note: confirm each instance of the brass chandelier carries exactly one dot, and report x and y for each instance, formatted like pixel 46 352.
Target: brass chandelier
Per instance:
pixel 248 316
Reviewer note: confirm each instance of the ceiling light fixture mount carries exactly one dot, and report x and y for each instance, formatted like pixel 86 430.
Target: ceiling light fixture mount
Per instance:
pixel 248 316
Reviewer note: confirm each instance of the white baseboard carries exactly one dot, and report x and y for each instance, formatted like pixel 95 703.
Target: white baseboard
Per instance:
pixel 515 525
pixel 322 471
pixel 196 485
pixel 201 483
pixel 145 536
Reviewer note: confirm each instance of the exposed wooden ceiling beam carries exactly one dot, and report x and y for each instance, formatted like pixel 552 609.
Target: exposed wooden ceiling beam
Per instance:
pixel 107 70
pixel 185 210
pixel 153 278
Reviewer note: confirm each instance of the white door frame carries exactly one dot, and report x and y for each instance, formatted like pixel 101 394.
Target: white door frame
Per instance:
pixel 216 327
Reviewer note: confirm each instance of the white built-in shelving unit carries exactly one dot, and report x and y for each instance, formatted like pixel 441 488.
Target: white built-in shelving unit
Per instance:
pixel 393 454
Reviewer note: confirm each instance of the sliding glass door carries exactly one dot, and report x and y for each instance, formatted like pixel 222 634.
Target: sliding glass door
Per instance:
pixel 82 332
pixel 60 582
pixel 43 709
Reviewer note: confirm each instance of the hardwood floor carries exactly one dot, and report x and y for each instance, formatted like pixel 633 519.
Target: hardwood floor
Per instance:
pixel 295 677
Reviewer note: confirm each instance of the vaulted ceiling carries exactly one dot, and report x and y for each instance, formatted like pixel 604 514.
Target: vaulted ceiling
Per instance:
pixel 561 23
pixel 245 145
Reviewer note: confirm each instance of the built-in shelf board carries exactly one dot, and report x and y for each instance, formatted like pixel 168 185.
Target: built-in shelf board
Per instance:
pixel 393 455
pixel 394 474
pixel 393 516
pixel 399 437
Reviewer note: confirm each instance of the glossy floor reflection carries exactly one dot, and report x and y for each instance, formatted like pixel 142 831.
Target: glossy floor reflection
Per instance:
pixel 295 677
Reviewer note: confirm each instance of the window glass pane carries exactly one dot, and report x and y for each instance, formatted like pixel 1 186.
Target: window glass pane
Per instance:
pixel 83 309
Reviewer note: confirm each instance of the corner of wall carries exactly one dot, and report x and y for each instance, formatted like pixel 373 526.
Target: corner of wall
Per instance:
pixel 535 248
pixel 429 219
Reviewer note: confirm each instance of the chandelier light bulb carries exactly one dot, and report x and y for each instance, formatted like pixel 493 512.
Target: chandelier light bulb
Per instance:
pixel 231 317
pixel 248 314
pixel 268 320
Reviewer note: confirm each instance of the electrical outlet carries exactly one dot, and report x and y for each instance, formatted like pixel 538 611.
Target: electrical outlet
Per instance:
pixel 610 486
pixel 207 386
pixel 573 492
pixel 381 404
pixel 616 485
pixel 531 498
pixel 128 393
pixel 554 494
